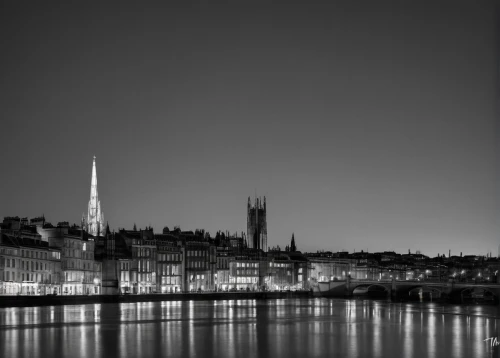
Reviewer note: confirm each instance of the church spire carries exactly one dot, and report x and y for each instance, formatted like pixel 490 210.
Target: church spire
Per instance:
pixel 95 217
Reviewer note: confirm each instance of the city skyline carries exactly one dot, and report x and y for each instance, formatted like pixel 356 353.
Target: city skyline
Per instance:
pixel 364 131
pixel 95 221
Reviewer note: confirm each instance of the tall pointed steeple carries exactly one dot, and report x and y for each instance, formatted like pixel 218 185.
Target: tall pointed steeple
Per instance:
pixel 95 217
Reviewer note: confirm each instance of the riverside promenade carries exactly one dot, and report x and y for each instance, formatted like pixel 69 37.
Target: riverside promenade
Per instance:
pixel 30 301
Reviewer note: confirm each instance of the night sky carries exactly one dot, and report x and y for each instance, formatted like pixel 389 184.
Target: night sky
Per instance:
pixel 366 126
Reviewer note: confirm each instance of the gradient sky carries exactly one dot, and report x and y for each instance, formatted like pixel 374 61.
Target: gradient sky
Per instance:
pixel 367 126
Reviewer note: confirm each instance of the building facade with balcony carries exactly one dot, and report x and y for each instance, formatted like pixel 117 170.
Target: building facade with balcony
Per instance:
pixel 27 265
pixel 144 252
pixel 170 266
pixel 224 257
pixel 244 273
pixel 81 274
pixel 199 266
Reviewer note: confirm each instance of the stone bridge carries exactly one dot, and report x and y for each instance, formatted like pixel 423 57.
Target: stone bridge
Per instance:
pixel 454 291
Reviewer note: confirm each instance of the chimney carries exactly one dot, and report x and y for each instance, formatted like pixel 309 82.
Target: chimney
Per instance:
pixel 449 253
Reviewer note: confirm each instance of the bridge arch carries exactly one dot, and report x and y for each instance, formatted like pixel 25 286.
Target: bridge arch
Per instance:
pixel 481 292
pixel 386 288
pixel 424 292
pixel 425 288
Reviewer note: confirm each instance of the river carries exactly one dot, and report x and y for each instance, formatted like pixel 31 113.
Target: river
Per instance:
pixel 251 328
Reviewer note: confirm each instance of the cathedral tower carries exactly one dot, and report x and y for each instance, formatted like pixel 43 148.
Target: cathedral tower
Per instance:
pixel 95 218
pixel 257 224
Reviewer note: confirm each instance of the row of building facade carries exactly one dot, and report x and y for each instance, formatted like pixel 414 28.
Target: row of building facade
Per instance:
pixel 37 258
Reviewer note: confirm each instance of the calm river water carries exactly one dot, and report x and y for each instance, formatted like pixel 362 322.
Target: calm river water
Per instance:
pixel 251 328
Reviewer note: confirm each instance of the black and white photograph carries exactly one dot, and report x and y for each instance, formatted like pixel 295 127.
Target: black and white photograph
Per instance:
pixel 219 179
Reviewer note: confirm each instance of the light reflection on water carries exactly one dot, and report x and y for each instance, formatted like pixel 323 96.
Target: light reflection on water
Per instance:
pixel 250 328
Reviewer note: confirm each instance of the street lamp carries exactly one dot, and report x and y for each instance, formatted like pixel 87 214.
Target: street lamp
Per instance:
pixel 96 283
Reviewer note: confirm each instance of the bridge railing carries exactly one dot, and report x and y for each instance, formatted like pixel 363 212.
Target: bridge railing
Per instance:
pixel 427 281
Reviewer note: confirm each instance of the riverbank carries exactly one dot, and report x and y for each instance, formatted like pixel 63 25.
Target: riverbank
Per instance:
pixel 30 301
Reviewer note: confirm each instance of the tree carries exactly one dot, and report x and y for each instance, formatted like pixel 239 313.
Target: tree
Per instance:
pixel 200 232
pixel 135 227
pixel 293 247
